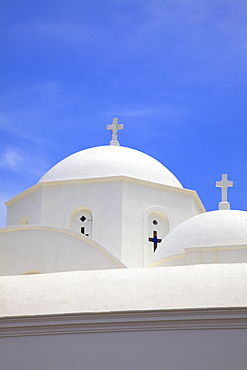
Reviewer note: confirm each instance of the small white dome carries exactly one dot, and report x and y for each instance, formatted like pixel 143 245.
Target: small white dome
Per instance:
pixel 108 161
pixel 210 229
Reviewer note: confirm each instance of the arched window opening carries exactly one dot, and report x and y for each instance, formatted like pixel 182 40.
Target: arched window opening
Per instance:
pixel 158 228
pixel 82 222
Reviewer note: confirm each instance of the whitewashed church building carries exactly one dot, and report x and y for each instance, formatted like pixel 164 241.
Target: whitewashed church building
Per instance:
pixel 109 263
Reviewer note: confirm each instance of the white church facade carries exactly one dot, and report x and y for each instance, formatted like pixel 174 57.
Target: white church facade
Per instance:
pixel 109 263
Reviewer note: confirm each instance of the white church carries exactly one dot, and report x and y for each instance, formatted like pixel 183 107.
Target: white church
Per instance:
pixel 108 262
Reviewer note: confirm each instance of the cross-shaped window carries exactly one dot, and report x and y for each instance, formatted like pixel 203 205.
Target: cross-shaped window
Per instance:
pixel 155 240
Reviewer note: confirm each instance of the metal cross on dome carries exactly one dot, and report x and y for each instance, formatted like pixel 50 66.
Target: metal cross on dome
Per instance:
pixel 155 240
pixel 224 184
pixel 114 127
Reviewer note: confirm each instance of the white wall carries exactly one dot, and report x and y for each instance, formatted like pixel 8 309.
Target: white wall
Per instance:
pixel 164 340
pixel 48 249
pixel 191 317
pixel 119 208
pixel 139 200
pixel 29 205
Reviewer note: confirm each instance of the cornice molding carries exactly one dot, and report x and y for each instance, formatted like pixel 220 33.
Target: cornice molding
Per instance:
pixel 126 179
pixel 129 321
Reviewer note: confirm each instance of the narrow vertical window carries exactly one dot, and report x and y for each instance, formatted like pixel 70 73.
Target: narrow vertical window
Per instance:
pixel 82 222
pixel 158 228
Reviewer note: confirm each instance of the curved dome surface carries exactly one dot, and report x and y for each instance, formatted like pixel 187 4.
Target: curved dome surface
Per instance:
pixel 210 229
pixel 107 161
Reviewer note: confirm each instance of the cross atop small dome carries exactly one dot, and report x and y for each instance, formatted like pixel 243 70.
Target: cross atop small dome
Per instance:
pixel 224 184
pixel 114 127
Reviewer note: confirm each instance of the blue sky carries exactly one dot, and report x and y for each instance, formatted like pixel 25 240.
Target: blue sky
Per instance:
pixel 173 71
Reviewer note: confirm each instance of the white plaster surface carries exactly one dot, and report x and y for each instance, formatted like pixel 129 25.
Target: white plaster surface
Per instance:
pixel 50 249
pixel 119 208
pixel 186 287
pixel 203 349
pixel 211 229
pixel 175 317
pixel 106 161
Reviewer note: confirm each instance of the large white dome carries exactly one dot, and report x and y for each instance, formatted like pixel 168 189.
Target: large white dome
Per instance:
pixel 107 161
pixel 211 229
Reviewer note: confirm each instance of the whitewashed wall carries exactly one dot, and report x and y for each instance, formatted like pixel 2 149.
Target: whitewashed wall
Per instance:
pixel 206 339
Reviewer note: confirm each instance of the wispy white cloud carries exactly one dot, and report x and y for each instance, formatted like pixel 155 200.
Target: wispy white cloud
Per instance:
pixel 24 109
pixel 51 88
pixel 212 33
pixel 12 159
pixel 139 26
pixel 15 160
pixel 169 113
pixel 66 30
pixel 130 112
pixel 55 30
pixel 203 42
pixel 210 37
